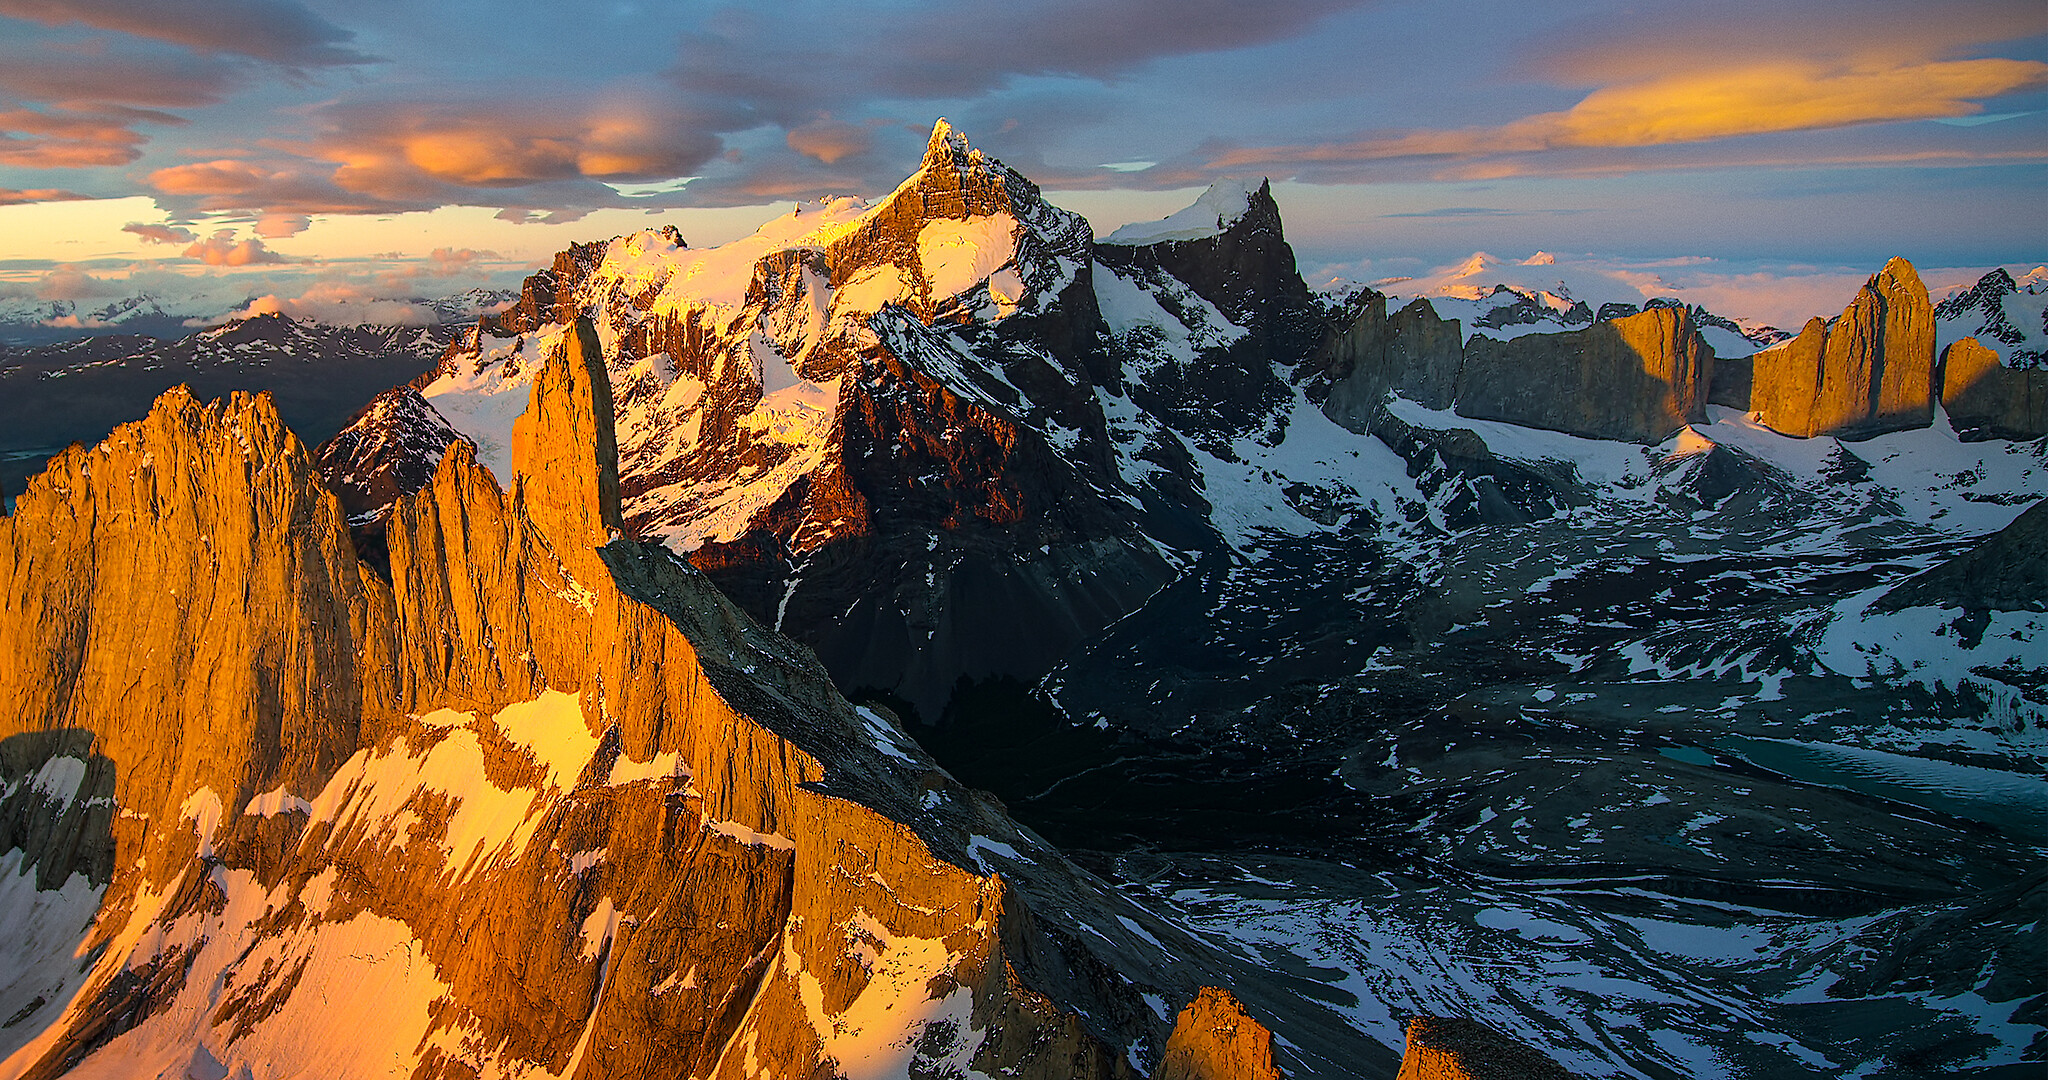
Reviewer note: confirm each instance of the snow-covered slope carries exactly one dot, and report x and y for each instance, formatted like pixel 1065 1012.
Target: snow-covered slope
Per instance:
pixel 2007 316
pixel 867 419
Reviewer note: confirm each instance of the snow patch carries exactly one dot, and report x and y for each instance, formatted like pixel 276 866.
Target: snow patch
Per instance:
pixel 1223 205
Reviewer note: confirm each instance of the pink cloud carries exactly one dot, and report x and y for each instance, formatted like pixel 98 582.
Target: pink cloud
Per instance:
pixel 21 196
pixel 222 249
pixel 272 226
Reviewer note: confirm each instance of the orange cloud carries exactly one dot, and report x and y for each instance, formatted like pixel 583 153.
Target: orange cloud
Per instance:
pixel 1699 106
pixel 285 193
pixel 20 196
pixel 431 152
pixel 63 139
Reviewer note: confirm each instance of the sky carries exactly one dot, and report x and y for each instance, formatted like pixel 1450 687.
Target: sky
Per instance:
pixel 1769 153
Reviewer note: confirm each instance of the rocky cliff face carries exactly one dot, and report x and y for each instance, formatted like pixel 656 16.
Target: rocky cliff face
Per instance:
pixel 539 800
pixel 1986 399
pixel 1412 353
pixel 1868 372
pixel 1638 378
pixel 1246 270
pixel 1454 1049
pixel 873 425
pixel 2006 571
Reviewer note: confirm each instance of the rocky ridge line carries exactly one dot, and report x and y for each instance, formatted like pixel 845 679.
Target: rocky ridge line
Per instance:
pixel 758 837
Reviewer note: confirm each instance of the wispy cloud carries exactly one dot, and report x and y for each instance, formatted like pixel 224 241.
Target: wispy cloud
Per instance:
pixel 160 234
pixel 280 31
pixel 20 196
pixel 1697 106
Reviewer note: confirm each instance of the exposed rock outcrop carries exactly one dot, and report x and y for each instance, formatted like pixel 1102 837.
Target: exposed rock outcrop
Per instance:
pixel 1869 372
pixel 1638 378
pixel 1247 270
pixel 1215 1039
pixel 543 801
pixel 1442 1048
pixel 2006 571
pixel 1412 353
pixel 1987 400
pixel 873 426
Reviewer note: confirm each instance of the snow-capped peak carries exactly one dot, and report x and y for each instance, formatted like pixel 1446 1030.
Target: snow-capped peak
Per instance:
pixel 1223 205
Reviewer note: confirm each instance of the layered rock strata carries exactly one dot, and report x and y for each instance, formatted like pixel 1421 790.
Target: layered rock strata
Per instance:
pixel 540 800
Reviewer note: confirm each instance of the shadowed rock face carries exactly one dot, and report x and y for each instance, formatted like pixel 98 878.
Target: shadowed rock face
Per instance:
pixel 1869 372
pixel 1412 353
pixel 1987 400
pixel 543 800
pixel 1248 272
pixel 1638 378
pixel 2006 571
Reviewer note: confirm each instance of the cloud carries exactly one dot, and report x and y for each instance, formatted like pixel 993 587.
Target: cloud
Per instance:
pixel 66 283
pixel 1457 212
pixel 804 58
pixel 149 76
pixel 452 260
pixel 342 303
pixel 1698 106
pixel 222 249
pixel 272 226
pixel 523 215
pixel 829 140
pixel 21 196
pixel 1735 33
pixel 72 139
pixel 286 188
pixel 160 234
pixel 280 31
pixel 410 150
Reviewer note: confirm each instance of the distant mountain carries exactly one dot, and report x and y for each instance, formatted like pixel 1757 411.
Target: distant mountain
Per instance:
pixel 77 391
pixel 28 323
pixel 43 322
pixel 2002 315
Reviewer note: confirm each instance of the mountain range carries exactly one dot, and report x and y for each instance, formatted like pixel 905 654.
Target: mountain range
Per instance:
pixel 922 638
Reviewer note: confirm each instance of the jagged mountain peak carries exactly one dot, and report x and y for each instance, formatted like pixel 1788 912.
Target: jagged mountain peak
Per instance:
pixel 947 146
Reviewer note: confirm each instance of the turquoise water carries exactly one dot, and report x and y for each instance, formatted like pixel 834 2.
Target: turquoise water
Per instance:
pixel 2014 802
